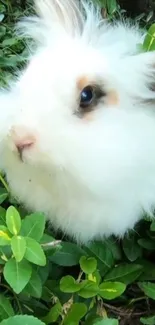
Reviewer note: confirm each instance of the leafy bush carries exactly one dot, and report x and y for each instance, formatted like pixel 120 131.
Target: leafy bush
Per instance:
pixel 45 279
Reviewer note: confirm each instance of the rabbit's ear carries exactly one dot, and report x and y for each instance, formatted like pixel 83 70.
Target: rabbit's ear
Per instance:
pixel 139 73
pixel 65 13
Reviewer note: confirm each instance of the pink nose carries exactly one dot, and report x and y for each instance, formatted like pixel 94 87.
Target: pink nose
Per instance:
pixel 23 144
pixel 22 138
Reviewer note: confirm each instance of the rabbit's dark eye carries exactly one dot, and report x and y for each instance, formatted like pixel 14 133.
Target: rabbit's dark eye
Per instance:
pixel 87 96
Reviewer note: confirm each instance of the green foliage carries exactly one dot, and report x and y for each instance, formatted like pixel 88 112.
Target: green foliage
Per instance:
pixel 46 280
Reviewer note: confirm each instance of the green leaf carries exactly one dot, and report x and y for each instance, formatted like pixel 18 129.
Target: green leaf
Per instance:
pixel 111 6
pixel 88 264
pixel 131 248
pixel 3 195
pixel 34 287
pixel 147 243
pixel 102 252
pixel 34 252
pixel 13 220
pixel 148 320
pixel 2 31
pixel 9 42
pixel 89 289
pixel 2 216
pixel 75 314
pixel 18 246
pixel 111 290
pixel 53 314
pixel 152 227
pixel 17 274
pixel 148 288
pixel 22 319
pixel 148 271
pixel 69 255
pixel 107 321
pixel 5 238
pixel 33 226
pixel 149 41
pixel 68 284
pixel 6 309
pixel 126 273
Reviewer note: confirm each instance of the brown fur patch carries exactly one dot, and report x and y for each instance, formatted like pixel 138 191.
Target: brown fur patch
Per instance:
pixel 112 98
pixel 83 82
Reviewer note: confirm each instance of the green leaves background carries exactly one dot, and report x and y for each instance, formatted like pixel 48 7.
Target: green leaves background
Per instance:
pixel 46 279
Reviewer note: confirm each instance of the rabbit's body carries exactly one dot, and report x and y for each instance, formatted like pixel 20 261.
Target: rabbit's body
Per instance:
pixel 92 171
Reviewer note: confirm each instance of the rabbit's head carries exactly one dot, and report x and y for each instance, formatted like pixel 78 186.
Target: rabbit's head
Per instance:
pixel 79 107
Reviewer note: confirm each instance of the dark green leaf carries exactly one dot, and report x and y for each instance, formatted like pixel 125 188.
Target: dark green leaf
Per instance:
pixel 131 248
pixel 6 309
pixel 148 288
pixel 69 255
pixel 125 273
pixel 3 195
pixel 102 252
pixel 147 243
pixel 34 287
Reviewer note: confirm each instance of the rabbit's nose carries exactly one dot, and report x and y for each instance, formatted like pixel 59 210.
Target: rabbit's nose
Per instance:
pixel 22 138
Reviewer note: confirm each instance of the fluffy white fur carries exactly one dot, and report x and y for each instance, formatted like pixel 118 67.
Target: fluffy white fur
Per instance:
pixel 92 178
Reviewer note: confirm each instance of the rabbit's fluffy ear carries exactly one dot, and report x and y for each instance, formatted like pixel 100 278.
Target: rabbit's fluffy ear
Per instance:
pixel 65 13
pixel 139 72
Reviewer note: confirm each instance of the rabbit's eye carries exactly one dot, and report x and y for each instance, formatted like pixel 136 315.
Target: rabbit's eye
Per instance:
pixel 87 96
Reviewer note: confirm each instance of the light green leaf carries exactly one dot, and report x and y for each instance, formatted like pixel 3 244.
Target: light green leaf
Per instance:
pixel 68 284
pixel 149 41
pixel 53 314
pixel 5 238
pixel 13 220
pixel 88 264
pixel 111 290
pixel 22 319
pixel 107 321
pixel 18 246
pixel 34 252
pixel 75 314
pixel 148 320
pixel 17 274
pixel 33 226
pixel 89 289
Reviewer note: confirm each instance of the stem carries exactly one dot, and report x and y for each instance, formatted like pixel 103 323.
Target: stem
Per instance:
pixel 4 183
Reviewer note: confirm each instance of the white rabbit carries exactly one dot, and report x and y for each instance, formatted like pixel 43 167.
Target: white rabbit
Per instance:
pixel 77 129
